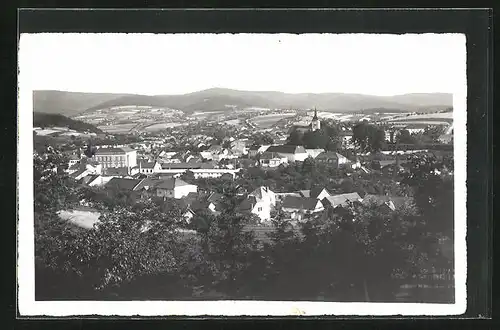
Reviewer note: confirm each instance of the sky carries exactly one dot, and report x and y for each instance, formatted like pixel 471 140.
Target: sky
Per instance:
pixel 154 64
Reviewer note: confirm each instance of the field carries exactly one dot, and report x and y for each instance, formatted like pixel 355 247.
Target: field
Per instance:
pixel 430 118
pixel 161 126
pixel 123 128
pixel 233 122
pixel 267 121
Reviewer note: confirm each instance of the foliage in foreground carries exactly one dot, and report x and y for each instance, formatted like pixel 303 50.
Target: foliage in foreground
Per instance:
pixel 141 251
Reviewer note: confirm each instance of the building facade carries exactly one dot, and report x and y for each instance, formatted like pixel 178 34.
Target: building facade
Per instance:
pixel 116 157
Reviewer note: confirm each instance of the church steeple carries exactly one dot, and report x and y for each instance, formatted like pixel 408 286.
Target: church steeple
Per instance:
pixel 315 124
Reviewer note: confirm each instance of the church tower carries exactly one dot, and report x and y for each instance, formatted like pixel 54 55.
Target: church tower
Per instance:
pixel 315 124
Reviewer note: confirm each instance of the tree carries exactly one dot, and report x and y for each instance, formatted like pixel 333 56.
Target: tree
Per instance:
pixel 262 139
pixel 404 137
pixel 433 132
pixel 188 176
pixel 226 246
pixel 295 138
pixel 315 140
pixel 368 137
pixel 90 151
pixel 347 186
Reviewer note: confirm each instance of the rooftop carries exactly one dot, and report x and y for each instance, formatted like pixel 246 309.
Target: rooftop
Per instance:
pixel 170 183
pixel 113 151
pixel 122 183
pixel 286 149
pixel 304 203
pixel 342 199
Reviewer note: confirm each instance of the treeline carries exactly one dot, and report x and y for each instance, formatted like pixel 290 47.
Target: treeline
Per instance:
pixel 44 120
pixel 138 251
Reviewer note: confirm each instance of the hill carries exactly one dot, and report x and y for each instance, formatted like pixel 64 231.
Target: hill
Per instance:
pixel 68 103
pixel 215 99
pixel 45 120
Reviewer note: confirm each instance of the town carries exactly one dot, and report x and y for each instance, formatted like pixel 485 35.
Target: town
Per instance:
pixel 272 177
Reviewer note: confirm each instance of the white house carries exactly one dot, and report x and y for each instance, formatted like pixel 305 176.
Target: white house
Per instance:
pixel 341 199
pixel 318 193
pixel 298 207
pixel 332 158
pixel 271 159
pixel 292 153
pixel 174 188
pixel 255 150
pixel 313 153
pixel 264 194
pixel 260 202
pixel 149 167
pixel 201 172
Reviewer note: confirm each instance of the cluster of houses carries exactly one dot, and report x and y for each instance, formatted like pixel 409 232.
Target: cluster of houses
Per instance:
pixel 215 162
pixel 261 202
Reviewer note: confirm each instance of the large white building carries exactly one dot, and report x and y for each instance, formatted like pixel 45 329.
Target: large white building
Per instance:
pixel 116 157
pixel 292 153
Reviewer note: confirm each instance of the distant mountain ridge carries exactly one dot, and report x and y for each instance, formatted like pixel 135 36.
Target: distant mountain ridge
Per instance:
pixel 43 120
pixel 215 99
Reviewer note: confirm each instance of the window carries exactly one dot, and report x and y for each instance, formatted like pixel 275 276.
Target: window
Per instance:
pixel 259 209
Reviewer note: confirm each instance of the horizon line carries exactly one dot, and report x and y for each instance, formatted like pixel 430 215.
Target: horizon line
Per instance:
pixel 239 90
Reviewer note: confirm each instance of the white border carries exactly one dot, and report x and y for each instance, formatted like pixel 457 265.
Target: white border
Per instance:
pixel 29 307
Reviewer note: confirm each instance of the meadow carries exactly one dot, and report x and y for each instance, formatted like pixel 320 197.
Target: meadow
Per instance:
pixel 266 121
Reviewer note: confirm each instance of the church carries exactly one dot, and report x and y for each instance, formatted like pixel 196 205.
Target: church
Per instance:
pixel 315 125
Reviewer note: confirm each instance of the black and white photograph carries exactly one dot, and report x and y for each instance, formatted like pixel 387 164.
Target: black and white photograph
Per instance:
pixel 242 174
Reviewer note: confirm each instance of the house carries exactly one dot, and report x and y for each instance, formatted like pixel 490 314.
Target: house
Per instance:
pixel 73 159
pixel 194 159
pixel 173 188
pixel 272 159
pixel 215 149
pixel 206 155
pixel 297 207
pixel 244 163
pixel 318 193
pixel 257 207
pixel 281 196
pixel 196 206
pixel 292 153
pixel 91 180
pixel 193 204
pixel 79 174
pixel 149 167
pixel 239 147
pixel 147 183
pixel 116 157
pixel 416 128
pixel 259 202
pixel 332 158
pixel 215 198
pixel 123 184
pixel 346 137
pixel 341 199
pixel 116 171
pixel 200 170
pixel 83 168
pixel 264 194
pixel 313 153
pixel 253 151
